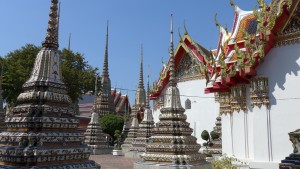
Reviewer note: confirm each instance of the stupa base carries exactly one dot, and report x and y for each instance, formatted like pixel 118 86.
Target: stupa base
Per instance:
pixel 133 154
pixel 148 165
pixel 125 149
pixel 86 165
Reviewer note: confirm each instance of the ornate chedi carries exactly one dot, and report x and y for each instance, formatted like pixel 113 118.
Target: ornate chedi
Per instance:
pixel 140 95
pixel 2 112
pixel 95 138
pixel 131 135
pixel 216 148
pixel 144 131
pixel 104 103
pixel 172 145
pixel 42 128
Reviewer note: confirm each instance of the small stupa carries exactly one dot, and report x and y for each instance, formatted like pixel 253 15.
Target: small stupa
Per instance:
pixel 172 145
pixel 131 135
pixel 144 132
pixel 42 128
pixel 216 148
pixel 95 137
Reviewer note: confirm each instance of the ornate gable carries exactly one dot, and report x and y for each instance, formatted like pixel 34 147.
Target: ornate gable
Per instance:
pixel 188 68
pixel 290 34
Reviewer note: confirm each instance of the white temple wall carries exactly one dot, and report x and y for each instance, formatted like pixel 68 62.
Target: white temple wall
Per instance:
pixel 238 134
pixel 226 135
pixel 267 131
pixel 204 110
pixel 282 67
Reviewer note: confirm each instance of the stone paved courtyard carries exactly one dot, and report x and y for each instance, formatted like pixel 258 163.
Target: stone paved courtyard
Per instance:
pixel 109 161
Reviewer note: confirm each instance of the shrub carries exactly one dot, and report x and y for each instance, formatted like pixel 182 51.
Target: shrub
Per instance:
pixel 214 135
pixel 205 135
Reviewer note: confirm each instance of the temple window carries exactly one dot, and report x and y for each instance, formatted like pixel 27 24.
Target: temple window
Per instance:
pixel 188 104
pixel 238 100
pixel 224 100
pixel 259 91
pixel 252 26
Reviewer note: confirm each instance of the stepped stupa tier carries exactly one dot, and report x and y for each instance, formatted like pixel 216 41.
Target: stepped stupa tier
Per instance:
pixel 42 128
pixel 95 138
pixel 131 135
pixel 104 102
pixel 172 144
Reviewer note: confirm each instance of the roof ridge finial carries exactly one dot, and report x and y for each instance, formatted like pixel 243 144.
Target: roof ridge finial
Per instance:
pixel 141 79
pixel 105 64
pixel 51 39
pixel 185 30
pixel 171 51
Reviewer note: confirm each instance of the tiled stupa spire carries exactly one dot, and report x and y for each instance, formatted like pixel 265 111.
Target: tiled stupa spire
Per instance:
pixel 42 128
pixel 140 95
pixel 145 127
pixel 2 112
pixel 172 143
pixel 104 103
pixel 95 137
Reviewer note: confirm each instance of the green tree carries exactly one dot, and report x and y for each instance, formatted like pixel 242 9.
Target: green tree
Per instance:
pixel 111 122
pixel 77 74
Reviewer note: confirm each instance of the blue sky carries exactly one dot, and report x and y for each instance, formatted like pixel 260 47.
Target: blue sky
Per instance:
pixel 131 22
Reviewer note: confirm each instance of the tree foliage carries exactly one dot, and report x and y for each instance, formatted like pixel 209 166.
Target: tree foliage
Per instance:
pixel 111 122
pixel 77 74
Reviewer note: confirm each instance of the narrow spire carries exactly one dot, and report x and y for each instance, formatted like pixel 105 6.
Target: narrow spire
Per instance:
pixel 148 89
pixel 141 79
pixel 171 64
pixel 105 64
pixel 51 39
pixel 69 44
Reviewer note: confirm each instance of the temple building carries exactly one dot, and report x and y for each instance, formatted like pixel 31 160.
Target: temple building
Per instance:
pixel 42 128
pixel 172 145
pixel 252 74
pixel 104 102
